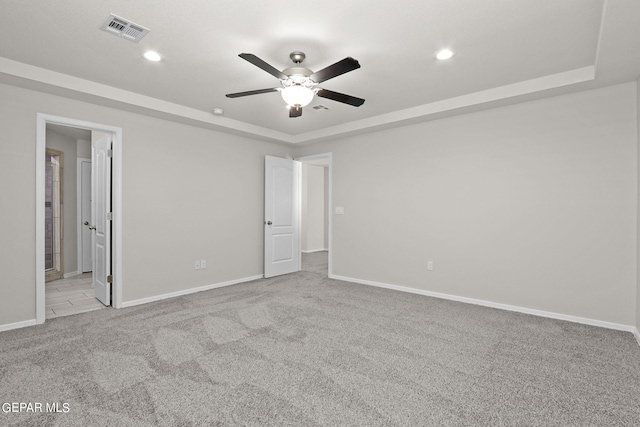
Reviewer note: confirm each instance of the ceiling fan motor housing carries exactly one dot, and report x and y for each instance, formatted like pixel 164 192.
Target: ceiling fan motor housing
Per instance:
pixel 297 71
pixel 297 75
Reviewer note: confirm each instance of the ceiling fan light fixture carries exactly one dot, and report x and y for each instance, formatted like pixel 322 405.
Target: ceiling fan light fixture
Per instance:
pixel 300 84
pixel 297 95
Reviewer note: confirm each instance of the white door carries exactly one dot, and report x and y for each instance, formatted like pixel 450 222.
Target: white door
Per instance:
pixel 86 236
pixel 281 223
pixel 101 214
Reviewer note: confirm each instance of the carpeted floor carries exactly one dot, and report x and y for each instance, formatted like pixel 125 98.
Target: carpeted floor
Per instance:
pixel 305 350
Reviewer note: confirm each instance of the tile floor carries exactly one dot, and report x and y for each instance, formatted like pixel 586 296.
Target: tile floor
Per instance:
pixel 70 296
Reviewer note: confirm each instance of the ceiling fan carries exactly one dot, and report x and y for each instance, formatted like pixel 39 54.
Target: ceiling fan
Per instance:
pixel 299 84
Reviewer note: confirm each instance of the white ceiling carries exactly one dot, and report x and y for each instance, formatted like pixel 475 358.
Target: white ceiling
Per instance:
pixel 506 51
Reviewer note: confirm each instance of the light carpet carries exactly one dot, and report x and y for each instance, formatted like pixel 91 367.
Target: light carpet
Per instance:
pixel 304 350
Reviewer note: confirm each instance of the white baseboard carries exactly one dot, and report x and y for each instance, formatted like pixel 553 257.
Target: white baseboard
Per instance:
pixel 70 274
pixel 24 324
pixel 549 314
pixel 314 250
pixel 188 291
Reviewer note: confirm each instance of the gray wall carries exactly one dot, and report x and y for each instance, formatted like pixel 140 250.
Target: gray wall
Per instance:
pixel 188 193
pixel 313 208
pixel 326 207
pixel 532 205
pixel 84 149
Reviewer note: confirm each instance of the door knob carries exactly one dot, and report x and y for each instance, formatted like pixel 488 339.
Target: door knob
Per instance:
pixel 268 222
pixel 91 227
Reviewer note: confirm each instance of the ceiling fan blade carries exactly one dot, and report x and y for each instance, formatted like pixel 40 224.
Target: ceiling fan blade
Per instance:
pixel 295 112
pixel 340 97
pixel 261 64
pixel 340 67
pixel 251 92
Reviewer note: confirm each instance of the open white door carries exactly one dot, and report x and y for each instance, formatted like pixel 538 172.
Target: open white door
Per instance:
pixel 281 223
pixel 101 214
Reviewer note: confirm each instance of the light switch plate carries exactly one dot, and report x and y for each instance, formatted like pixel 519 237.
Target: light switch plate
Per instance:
pixel 340 211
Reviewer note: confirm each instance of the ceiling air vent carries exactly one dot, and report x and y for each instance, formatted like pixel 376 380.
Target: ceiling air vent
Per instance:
pixel 320 107
pixel 124 28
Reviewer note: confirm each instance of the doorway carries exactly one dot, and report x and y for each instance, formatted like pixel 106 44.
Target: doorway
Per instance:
pixel 53 215
pixel 316 221
pixel 73 266
pixel 68 264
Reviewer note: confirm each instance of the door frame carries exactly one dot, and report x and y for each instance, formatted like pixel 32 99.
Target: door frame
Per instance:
pixel 329 157
pixel 116 206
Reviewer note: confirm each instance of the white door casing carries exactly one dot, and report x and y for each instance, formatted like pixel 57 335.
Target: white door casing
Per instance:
pixel 116 207
pixel 101 213
pixel 282 216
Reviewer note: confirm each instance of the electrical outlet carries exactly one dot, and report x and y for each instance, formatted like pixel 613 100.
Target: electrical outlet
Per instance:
pixel 197 265
pixel 203 263
pixel 430 265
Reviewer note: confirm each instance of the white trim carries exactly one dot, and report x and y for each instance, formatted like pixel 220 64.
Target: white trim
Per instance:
pixel 188 291
pixel 17 325
pixel 540 313
pixel 97 93
pixel 70 274
pixel 297 190
pixel 310 251
pixel 79 208
pixel 450 106
pixel 116 209
pixel 329 157
pixel 116 191
pixel 101 94
pixel 636 334
pixel 41 144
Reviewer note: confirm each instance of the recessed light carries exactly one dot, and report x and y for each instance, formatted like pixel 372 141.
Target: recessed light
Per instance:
pixel 444 54
pixel 218 111
pixel 152 56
